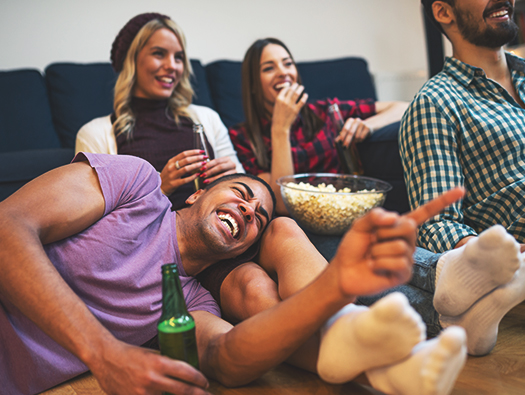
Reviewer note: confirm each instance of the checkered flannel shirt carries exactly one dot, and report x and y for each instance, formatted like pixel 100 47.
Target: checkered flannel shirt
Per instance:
pixel 465 129
pixel 318 155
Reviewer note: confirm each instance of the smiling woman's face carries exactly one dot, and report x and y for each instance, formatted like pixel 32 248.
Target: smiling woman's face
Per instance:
pixel 277 69
pixel 159 66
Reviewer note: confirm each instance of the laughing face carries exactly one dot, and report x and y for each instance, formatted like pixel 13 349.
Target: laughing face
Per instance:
pixel 277 70
pixel 232 215
pixel 486 23
pixel 160 65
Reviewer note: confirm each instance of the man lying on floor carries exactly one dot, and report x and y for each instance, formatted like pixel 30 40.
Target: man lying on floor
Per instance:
pixel 80 255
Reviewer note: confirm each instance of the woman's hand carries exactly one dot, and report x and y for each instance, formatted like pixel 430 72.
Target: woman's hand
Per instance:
pixel 354 129
pixel 217 168
pixel 174 173
pixel 287 107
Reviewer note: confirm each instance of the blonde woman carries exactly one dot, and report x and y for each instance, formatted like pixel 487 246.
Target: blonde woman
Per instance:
pixel 153 116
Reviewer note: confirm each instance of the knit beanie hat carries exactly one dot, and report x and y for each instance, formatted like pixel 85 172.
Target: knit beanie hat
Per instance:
pixel 123 41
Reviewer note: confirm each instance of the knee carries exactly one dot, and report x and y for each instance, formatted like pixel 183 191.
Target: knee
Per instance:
pixel 257 287
pixel 282 229
pixel 246 291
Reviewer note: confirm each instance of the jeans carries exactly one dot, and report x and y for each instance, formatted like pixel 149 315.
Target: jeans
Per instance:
pixel 419 290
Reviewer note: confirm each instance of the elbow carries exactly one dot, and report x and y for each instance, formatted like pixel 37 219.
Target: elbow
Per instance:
pixel 232 378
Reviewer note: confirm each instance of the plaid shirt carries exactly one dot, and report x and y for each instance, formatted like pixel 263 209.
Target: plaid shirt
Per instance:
pixel 318 155
pixel 465 129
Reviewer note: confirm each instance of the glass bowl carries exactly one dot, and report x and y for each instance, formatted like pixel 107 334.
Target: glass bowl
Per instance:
pixel 326 203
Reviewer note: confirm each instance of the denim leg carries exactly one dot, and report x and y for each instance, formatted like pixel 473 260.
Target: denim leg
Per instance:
pixel 419 290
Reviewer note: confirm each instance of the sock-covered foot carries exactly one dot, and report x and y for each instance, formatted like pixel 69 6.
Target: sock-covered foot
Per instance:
pixel 466 274
pixel 368 338
pixel 431 369
pixel 481 321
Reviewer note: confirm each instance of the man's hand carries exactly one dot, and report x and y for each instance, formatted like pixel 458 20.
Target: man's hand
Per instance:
pixel 126 369
pixel 376 253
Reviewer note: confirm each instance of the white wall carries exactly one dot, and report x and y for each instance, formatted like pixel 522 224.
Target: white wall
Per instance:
pixel 388 33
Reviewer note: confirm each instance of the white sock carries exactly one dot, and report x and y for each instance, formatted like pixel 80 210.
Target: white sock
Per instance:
pixel 431 369
pixel 466 274
pixel 366 338
pixel 481 321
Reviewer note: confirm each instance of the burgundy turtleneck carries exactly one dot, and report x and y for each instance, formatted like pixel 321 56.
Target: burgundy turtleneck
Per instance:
pixel 157 138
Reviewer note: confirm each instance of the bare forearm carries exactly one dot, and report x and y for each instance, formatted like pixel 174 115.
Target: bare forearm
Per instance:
pixel 32 284
pixel 50 208
pixel 282 165
pixel 256 345
pixel 386 113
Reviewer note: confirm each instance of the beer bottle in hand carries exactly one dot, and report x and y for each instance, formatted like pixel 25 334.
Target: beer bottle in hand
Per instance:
pixel 199 142
pixel 348 156
pixel 176 327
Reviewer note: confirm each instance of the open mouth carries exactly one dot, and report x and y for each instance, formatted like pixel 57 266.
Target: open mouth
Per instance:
pixel 498 14
pixel 230 223
pixel 282 85
pixel 501 11
pixel 166 80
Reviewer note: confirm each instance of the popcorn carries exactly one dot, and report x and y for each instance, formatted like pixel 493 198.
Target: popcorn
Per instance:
pixel 329 213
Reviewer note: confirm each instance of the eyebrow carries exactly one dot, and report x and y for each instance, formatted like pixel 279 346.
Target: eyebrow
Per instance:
pixel 271 61
pixel 251 194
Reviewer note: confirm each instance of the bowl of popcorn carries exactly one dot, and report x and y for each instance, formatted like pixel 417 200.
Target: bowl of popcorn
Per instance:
pixel 326 203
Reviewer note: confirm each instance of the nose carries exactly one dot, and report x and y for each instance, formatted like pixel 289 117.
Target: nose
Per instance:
pixel 170 63
pixel 247 211
pixel 281 69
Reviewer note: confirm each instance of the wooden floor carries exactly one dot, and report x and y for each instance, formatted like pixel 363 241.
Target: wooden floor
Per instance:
pixel 500 373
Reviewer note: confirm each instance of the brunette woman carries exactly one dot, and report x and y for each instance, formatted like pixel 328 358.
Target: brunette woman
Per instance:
pixel 285 135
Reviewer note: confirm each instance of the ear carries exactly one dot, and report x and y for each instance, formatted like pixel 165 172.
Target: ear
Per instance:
pixel 193 198
pixel 443 13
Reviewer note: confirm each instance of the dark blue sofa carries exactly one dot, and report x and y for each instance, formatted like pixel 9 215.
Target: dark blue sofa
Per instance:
pixel 40 113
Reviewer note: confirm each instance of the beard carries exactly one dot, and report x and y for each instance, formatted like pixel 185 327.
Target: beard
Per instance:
pixel 489 37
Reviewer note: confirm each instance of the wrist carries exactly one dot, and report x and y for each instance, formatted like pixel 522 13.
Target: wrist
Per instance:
pixel 98 349
pixel 280 131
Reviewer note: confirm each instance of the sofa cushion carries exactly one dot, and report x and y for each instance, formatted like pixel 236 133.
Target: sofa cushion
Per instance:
pixel 224 80
pixel 82 92
pixel 78 93
pixel 25 115
pixel 345 78
pixel 199 82
pixel 20 167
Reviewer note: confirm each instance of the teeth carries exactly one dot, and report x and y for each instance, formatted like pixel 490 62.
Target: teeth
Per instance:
pixel 499 13
pixel 166 79
pixel 282 85
pixel 232 225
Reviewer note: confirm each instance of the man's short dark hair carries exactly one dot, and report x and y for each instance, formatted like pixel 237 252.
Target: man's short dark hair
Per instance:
pixel 245 175
pixel 427 6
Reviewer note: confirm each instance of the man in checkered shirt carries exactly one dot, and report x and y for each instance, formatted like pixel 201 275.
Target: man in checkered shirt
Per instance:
pixel 466 126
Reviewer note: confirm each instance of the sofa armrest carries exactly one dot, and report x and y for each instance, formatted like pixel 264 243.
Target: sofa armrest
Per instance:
pixel 380 157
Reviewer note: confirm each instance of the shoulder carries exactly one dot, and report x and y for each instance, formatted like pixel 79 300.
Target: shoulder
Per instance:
pixel 97 124
pixel 202 111
pixel 122 177
pixel 121 163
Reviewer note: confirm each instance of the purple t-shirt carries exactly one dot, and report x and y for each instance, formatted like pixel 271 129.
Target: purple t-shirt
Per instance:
pixel 113 266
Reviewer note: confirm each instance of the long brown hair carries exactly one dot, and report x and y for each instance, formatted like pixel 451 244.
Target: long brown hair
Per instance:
pixel 253 102
pixel 182 94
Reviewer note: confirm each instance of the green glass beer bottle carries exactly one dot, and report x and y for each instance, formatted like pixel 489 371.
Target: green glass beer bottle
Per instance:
pixel 176 327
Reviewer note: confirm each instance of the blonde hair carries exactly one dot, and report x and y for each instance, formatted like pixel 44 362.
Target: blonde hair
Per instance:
pixel 182 94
